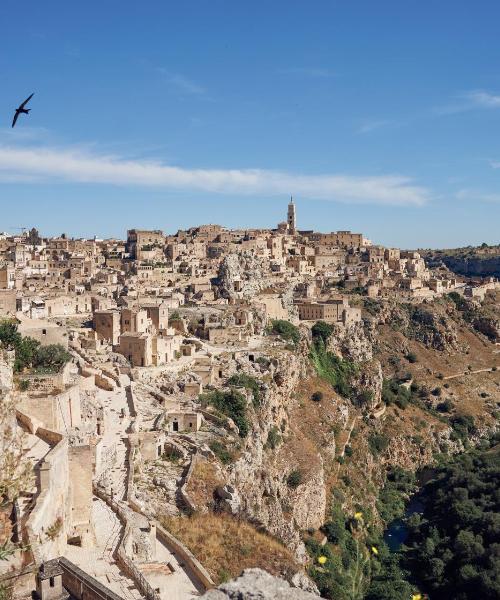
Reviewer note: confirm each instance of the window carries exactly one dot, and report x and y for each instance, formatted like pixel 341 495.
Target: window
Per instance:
pixel 44 332
pixel 51 582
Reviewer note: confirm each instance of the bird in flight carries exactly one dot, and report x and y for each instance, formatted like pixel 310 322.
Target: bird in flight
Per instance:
pixel 21 110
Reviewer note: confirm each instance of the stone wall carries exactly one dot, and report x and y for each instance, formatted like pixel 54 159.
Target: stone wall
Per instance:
pixel 58 412
pixel 80 465
pixel 81 585
pixel 52 505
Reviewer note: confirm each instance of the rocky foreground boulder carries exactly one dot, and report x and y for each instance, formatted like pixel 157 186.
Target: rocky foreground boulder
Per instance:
pixel 256 584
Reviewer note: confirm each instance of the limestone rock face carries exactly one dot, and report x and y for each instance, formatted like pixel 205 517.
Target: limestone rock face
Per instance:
pixel 260 474
pixel 368 384
pixel 353 342
pixel 240 276
pixel 229 499
pixel 489 327
pixel 434 330
pixel 256 584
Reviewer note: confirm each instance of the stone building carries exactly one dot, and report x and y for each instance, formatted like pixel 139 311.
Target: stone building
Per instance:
pixel 107 325
pixel 336 311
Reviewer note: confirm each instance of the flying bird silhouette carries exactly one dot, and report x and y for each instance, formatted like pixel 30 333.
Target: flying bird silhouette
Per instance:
pixel 21 110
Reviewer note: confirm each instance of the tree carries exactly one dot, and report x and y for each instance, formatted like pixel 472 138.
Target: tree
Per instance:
pixel 288 331
pixel 322 330
pixel 294 479
pixel 52 357
pixel 453 547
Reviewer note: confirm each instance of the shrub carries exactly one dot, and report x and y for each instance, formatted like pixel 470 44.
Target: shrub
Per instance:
pixel 24 385
pixel 242 380
pixel 394 361
pixel 294 479
pixel 463 427
pixel 322 330
pixel 230 403
pixel 377 442
pixel 29 353
pixel 364 398
pixel 172 454
pixel 273 438
pixel 337 371
pixel 288 331
pixel 411 357
pixel 54 529
pixel 221 452
pixel 437 391
pixel 393 392
pixel 175 316
pixel 446 406
pixel 335 528
pixel 52 357
pixel 348 451
pixel 317 396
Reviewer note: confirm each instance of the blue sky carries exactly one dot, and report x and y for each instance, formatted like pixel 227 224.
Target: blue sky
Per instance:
pixel 380 117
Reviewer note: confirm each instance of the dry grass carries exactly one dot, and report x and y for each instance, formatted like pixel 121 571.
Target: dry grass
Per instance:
pixel 204 479
pixel 225 546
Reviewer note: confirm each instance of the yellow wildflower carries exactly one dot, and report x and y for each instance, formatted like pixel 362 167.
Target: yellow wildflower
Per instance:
pixel 416 597
pixel 358 516
pixel 322 560
pixel 374 550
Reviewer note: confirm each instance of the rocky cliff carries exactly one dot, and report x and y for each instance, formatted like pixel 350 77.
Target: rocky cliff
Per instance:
pixel 261 474
pixel 470 266
pixel 256 584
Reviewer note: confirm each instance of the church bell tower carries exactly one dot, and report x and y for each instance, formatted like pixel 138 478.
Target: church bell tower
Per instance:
pixel 292 217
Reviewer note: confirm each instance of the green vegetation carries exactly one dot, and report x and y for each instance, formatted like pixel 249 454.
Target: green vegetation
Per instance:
pixel 242 380
pixel 392 498
pixel 294 479
pixel 463 427
pixel 221 451
pixel 172 454
pixel 390 579
pixel 321 330
pixel 273 438
pixel 411 357
pixel 29 354
pixel 401 395
pixel 288 331
pixel 337 371
pixel 351 565
pixel 377 443
pixel 175 316
pixel 24 385
pixel 453 548
pixel 373 307
pixel 458 300
pixel 230 403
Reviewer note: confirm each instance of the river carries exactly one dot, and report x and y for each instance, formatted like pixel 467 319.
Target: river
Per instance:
pixel 397 532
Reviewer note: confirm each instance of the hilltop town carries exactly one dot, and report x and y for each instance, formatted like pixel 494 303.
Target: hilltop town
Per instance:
pixel 161 390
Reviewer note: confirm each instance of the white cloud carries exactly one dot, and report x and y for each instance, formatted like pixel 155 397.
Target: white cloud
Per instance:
pixel 76 166
pixel 495 164
pixel 484 99
pixel 473 100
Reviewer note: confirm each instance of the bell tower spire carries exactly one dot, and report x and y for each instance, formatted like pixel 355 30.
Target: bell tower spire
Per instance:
pixel 292 217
